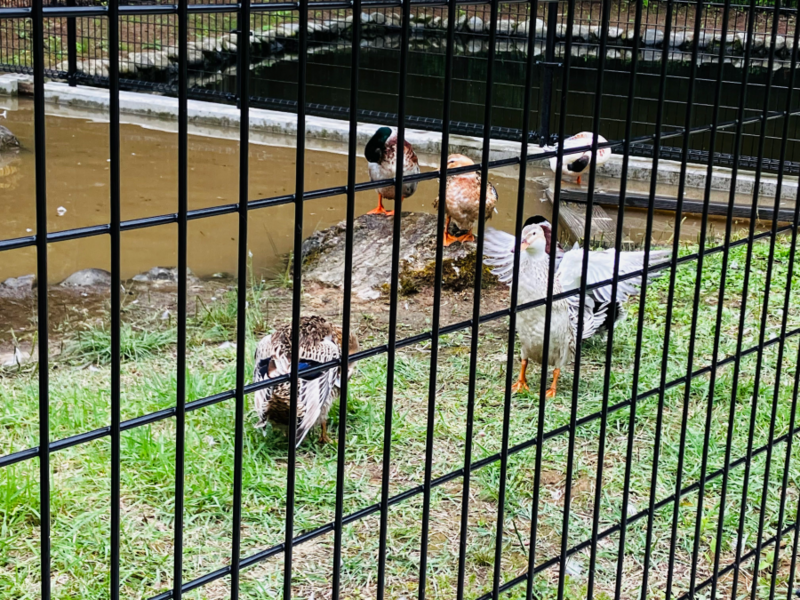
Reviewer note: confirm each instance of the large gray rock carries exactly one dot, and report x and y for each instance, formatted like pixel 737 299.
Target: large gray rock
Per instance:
pixel 88 278
pixel 540 31
pixel 653 37
pixel 324 254
pixel 8 141
pixel 475 24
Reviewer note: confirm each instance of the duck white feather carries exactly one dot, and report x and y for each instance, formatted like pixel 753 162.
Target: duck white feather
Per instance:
pixel 575 164
pixel 533 280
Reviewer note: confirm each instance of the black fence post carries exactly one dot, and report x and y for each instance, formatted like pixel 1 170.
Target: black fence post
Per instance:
pixel 72 48
pixel 549 65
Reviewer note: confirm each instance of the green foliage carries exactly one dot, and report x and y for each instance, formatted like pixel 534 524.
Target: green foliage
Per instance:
pixel 94 344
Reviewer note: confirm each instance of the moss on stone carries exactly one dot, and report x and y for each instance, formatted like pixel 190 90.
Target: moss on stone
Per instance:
pixel 457 274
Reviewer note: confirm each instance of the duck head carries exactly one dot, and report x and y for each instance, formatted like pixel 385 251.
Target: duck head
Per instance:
pixel 373 151
pixel 534 240
pixel 579 164
pixel 458 160
pixel 547 229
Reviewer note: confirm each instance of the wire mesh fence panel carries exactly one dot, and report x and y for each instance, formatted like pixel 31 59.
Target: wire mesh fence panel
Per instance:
pixel 467 411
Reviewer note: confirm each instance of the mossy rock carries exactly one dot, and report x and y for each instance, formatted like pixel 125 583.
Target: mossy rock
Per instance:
pixel 324 254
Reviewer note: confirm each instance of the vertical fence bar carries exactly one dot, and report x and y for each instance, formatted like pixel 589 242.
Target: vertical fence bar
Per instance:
pixel 436 316
pixel 352 169
pixel 760 351
pixel 183 241
pixel 41 293
pixel 476 307
pixel 671 297
pixel 72 47
pixel 697 291
pixel 642 299
pixel 551 276
pixel 512 318
pixel 243 72
pixel 604 25
pixel 790 592
pixel 786 305
pixel 297 284
pixel 549 58
pixel 393 301
pixel 116 277
pixel 623 188
pixel 750 30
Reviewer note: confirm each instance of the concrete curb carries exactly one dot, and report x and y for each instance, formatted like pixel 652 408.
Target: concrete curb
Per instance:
pixel 276 128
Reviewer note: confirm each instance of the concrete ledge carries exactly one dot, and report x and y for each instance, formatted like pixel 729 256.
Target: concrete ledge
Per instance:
pixel 276 128
pixel 10 83
pixel 640 169
pixel 221 120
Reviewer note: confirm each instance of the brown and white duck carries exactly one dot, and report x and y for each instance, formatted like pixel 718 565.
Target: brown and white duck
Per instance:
pixel 462 200
pixel 320 342
pixel 381 154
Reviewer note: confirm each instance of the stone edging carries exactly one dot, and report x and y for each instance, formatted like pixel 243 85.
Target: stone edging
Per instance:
pixel 273 128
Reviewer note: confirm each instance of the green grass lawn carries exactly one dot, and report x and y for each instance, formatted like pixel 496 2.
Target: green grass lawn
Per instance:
pixel 80 475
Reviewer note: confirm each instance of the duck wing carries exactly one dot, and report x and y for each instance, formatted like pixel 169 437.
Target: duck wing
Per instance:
pixel 316 391
pixel 269 362
pixel 600 268
pixel 498 250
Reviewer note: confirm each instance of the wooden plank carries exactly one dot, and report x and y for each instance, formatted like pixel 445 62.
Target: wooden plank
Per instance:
pixel 671 204
pixel 572 225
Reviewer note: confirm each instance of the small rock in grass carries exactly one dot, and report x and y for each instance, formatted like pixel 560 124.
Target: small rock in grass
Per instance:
pixel 88 278
pixel 227 346
pixel 22 283
pixel 15 360
pixel 573 566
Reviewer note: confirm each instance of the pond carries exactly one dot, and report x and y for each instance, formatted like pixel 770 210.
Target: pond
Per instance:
pixel 78 196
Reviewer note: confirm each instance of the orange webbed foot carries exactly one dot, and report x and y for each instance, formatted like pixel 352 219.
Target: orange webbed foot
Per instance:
pixel 467 237
pixel 520 385
pixel 448 239
pixel 551 391
pixel 380 211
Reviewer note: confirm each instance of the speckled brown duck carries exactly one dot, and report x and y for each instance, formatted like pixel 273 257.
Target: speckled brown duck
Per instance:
pixel 320 342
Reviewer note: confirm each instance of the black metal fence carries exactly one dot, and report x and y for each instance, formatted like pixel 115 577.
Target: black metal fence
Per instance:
pixel 705 121
pixel 77 50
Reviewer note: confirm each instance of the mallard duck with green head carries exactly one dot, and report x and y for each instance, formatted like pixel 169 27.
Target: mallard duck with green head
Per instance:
pixel 381 154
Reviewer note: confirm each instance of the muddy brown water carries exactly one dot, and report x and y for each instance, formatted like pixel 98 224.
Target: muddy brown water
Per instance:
pixel 78 196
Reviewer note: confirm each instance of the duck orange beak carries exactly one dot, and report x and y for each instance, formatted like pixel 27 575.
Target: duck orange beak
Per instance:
pixel 522 246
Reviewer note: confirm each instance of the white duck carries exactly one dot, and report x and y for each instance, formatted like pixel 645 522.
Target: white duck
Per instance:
pixel 534 269
pixel 576 164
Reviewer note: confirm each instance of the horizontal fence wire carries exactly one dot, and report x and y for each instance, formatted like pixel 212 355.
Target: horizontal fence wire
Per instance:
pixel 552 129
